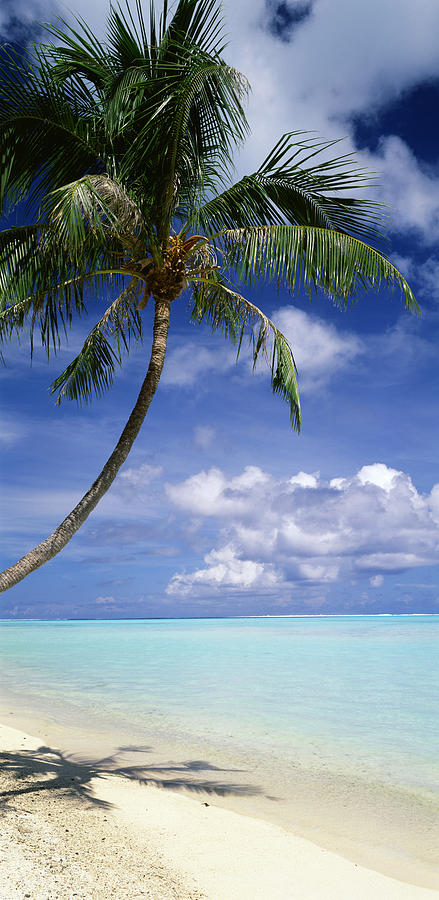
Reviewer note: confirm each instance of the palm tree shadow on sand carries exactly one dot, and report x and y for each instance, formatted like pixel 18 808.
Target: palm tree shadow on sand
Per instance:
pixel 48 769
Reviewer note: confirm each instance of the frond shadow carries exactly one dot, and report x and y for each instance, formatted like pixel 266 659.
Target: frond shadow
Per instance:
pixel 48 769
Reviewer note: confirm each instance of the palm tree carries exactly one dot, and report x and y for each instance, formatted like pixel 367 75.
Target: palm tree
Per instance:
pixel 120 154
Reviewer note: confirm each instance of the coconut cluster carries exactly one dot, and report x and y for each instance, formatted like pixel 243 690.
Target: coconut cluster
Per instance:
pixel 168 281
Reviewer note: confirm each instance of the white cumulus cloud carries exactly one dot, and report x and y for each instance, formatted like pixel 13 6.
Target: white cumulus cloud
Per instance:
pixel 304 479
pixel 187 364
pixel 225 569
pixel 410 188
pixel 320 349
pixel 379 474
pixel 211 494
pixel 140 476
pixel 304 529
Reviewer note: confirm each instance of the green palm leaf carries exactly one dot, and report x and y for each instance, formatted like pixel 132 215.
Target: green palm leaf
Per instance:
pixel 227 311
pixel 92 371
pixel 44 284
pixel 312 258
pixel 287 190
pixel 199 23
pixel 188 126
pixel 45 136
pixel 94 203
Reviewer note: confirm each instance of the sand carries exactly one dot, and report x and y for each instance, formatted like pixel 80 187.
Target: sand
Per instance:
pixel 69 831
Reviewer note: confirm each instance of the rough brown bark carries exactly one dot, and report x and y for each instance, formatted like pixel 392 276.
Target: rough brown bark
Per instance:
pixel 62 535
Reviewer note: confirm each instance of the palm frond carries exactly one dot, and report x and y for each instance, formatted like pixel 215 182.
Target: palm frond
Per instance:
pixel 94 203
pixel 78 55
pixel 92 371
pixel 287 190
pixel 44 284
pixel 22 259
pixel 45 136
pixel 125 44
pixel 197 23
pixel 219 91
pixel 312 258
pixel 162 95
pixel 113 142
pixel 189 122
pixel 227 311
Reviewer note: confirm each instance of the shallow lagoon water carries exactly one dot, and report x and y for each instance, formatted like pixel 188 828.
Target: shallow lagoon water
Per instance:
pixel 302 706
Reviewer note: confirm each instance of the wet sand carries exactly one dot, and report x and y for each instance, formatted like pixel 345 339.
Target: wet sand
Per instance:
pixel 77 827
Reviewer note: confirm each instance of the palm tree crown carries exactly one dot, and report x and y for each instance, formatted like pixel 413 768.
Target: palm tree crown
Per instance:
pixel 121 154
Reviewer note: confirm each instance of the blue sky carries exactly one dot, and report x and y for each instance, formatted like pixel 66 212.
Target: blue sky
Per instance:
pixel 221 509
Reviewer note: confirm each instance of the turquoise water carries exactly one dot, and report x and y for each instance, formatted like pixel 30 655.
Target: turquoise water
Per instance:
pixel 332 722
pixel 357 691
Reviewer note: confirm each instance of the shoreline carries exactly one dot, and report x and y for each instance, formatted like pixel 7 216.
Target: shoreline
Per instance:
pixel 71 828
pixel 372 824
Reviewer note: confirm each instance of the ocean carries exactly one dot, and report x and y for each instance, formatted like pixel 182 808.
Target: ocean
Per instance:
pixel 328 726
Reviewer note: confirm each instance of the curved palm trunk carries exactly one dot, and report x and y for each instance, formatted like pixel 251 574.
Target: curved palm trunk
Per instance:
pixel 61 536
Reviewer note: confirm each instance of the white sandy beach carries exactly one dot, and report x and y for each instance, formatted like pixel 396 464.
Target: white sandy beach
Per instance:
pixel 69 833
